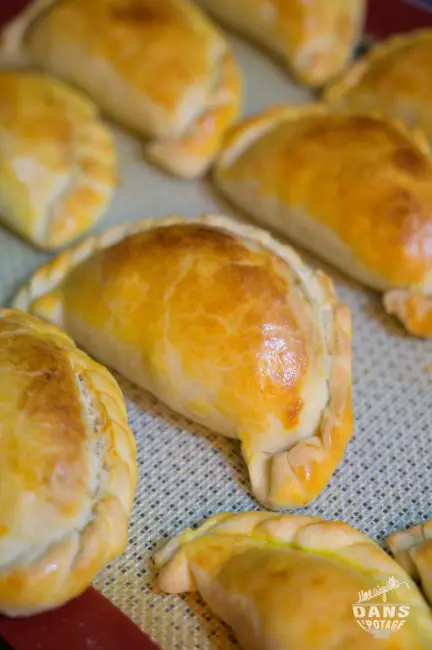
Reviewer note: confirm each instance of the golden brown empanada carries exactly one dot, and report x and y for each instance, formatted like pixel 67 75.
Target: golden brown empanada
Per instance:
pixel 354 189
pixel 292 582
pixel 227 327
pixel 157 66
pixel 315 39
pixel 394 78
pixel 67 467
pixel 412 549
pixel 57 161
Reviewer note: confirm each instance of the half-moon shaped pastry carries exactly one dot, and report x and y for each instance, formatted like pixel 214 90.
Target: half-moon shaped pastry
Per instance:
pixel 224 325
pixel 57 160
pixel 286 582
pixel 158 67
pixel 412 549
pixel 393 78
pixel 354 189
pixel 315 38
pixel 67 467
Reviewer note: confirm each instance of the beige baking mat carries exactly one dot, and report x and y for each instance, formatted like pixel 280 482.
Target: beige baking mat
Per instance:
pixel 187 474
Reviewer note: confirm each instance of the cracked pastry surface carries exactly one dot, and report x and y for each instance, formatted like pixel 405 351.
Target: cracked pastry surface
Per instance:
pixel 57 160
pixel 226 326
pixel 353 188
pixel 315 39
pixel 159 68
pixel 393 78
pixel 67 467
pixel 412 549
pixel 290 581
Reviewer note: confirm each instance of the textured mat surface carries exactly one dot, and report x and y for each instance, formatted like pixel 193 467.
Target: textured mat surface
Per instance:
pixel 187 474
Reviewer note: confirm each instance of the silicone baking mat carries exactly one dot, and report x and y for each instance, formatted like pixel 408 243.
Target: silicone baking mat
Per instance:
pixel 187 474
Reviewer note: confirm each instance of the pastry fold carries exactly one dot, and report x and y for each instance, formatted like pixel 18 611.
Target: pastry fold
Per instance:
pixel 159 68
pixel 293 581
pixel 394 78
pixel 354 189
pixel 412 549
pixel 227 327
pixel 67 467
pixel 314 39
pixel 57 160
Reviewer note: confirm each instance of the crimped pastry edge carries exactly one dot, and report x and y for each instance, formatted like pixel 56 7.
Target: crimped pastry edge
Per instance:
pixel 111 510
pixel 238 138
pixel 347 80
pixel 311 534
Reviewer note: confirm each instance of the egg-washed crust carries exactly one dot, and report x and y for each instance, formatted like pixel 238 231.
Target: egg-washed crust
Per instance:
pixel 413 305
pixel 412 549
pixel 336 90
pixel 242 135
pixel 296 476
pixel 334 539
pixel 187 154
pixel 65 568
pixel 307 61
pixel 84 144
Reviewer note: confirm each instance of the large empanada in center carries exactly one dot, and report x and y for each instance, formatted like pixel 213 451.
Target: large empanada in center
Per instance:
pixel 227 327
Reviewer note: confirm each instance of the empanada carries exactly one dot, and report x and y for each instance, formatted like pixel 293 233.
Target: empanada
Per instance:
pixel 394 78
pixel 57 160
pixel 227 327
pixel 159 67
pixel 293 582
pixel 412 549
pixel 315 39
pixel 67 467
pixel 354 189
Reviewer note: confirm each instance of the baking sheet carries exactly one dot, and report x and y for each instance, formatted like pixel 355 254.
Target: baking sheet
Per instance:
pixel 187 474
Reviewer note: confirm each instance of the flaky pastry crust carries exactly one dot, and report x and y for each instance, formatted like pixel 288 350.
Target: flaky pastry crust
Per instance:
pixel 243 338
pixel 159 68
pixel 67 467
pixel 393 78
pixel 314 39
pixel 412 549
pixel 57 160
pixel 353 188
pixel 290 581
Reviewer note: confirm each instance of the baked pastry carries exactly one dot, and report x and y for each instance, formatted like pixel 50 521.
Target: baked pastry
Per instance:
pixel 315 39
pixel 354 189
pixel 393 78
pixel 157 67
pixel 57 161
pixel 224 325
pixel 293 581
pixel 67 467
pixel 412 549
